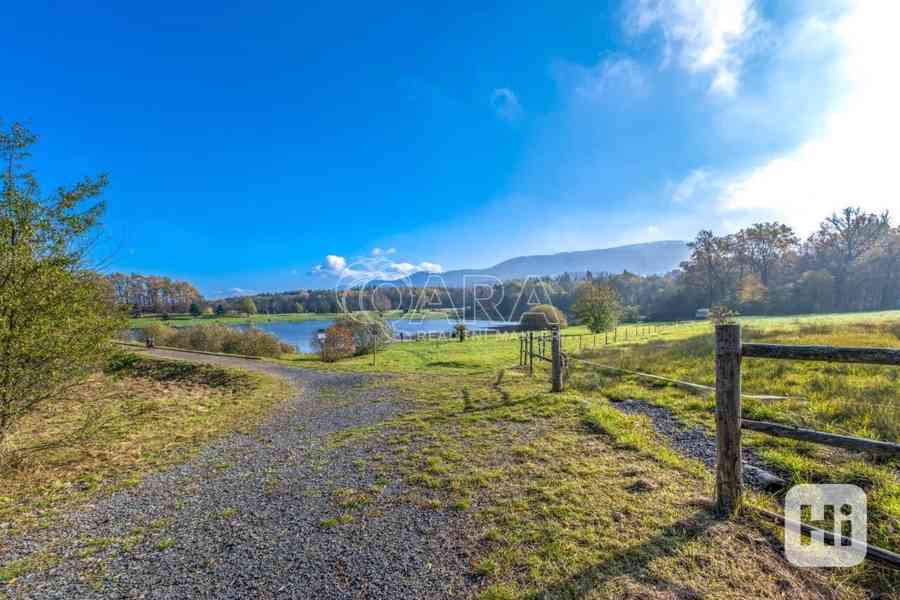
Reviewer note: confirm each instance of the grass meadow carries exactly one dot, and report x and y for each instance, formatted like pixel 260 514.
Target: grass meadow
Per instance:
pixel 571 498
pixel 139 415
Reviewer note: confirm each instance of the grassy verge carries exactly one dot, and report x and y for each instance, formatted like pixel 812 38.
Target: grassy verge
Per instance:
pixel 570 498
pixel 142 414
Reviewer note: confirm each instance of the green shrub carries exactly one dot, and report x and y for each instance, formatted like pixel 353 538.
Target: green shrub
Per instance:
pixel 543 316
pixel 370 331
pixel 215 337
pixel 251 342
pixel 161 334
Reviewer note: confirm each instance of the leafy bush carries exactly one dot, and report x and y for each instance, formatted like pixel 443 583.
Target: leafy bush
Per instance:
pixel 215 337
pixel 543 316
pixel 161 334
pixel 370 331
pixel 252 342
pixel 339 343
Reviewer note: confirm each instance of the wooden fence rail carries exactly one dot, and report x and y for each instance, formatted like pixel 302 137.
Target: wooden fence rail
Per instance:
pixel 871 356
pixel 730 352
pixel 821 437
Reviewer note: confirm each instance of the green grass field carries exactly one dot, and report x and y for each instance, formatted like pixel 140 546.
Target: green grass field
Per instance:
pixel 573 499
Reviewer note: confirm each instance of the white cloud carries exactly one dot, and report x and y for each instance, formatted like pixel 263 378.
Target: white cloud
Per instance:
pixel 236 291
pixel 506 104
pixel 403 268
pixel 375 267
pixel 688 187
pixel 610 76
pixel 430 267
pixel 853 160
pixel 335 263
pixel 703 36
pixel 377 251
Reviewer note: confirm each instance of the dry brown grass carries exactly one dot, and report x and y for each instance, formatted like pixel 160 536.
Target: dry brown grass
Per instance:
pixel 139 416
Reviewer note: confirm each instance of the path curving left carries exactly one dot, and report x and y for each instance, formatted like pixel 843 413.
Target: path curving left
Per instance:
pixel 258 515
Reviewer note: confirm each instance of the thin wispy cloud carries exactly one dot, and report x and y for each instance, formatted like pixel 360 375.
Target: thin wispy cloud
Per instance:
pixel 688 188
pixel 506 104
pixel 609 77
pixel 850 160
pixel 702 37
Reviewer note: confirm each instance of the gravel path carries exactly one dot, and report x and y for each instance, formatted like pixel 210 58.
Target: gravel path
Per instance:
pixel 695 442
pixel 260 515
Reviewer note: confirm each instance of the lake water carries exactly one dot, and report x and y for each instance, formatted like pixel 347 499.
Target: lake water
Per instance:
pixel 301 334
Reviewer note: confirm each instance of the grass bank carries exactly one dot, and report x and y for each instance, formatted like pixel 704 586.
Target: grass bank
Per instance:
pixel 570 498
pixel 140 415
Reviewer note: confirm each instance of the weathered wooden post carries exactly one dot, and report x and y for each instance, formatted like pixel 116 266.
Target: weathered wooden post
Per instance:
pixel 530 353
pixel 729 476
pixel 524 349
pixel 557 372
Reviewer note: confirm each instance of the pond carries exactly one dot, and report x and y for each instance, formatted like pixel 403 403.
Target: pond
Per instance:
pixel 301 334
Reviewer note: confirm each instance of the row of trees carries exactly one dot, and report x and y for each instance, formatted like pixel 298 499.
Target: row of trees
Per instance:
pixel 852 262
pixel 154 294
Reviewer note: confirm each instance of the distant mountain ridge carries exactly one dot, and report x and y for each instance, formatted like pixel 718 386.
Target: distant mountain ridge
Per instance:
pixel 643 259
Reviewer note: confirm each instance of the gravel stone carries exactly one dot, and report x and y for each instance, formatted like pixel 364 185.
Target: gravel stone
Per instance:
pixel 695 442
pixel 256 515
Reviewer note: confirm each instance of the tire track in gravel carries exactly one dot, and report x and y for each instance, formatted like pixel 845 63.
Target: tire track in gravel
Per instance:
pixel 257 515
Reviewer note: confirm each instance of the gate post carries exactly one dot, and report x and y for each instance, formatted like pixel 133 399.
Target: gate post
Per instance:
pixel 729 480
pixel 557 372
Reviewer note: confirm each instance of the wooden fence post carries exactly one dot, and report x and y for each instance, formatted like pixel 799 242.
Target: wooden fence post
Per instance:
pixel 729 476
pixel 557 373
pixel 530 353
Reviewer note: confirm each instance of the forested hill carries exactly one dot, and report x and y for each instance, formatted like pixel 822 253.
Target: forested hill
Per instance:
pixel 642 259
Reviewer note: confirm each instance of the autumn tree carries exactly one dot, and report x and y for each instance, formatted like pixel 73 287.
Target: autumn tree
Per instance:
pixel 842 241
pixel 763 246
pixel 56 315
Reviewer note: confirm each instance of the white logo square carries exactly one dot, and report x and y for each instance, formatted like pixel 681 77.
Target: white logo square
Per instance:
pixel 843 507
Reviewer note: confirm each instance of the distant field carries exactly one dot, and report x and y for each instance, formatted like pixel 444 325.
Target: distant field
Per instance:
pixel 188 320
pixel 490 437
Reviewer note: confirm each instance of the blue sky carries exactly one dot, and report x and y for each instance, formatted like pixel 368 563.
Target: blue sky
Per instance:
pixel 269 146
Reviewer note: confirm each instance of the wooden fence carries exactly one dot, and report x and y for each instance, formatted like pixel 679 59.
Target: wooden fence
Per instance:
pixel 730 352
pixel 557 358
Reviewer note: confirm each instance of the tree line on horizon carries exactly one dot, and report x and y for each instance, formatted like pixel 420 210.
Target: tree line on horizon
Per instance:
pixel 850 263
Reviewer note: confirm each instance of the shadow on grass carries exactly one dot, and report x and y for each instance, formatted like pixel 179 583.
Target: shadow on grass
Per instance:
pixel 635 562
